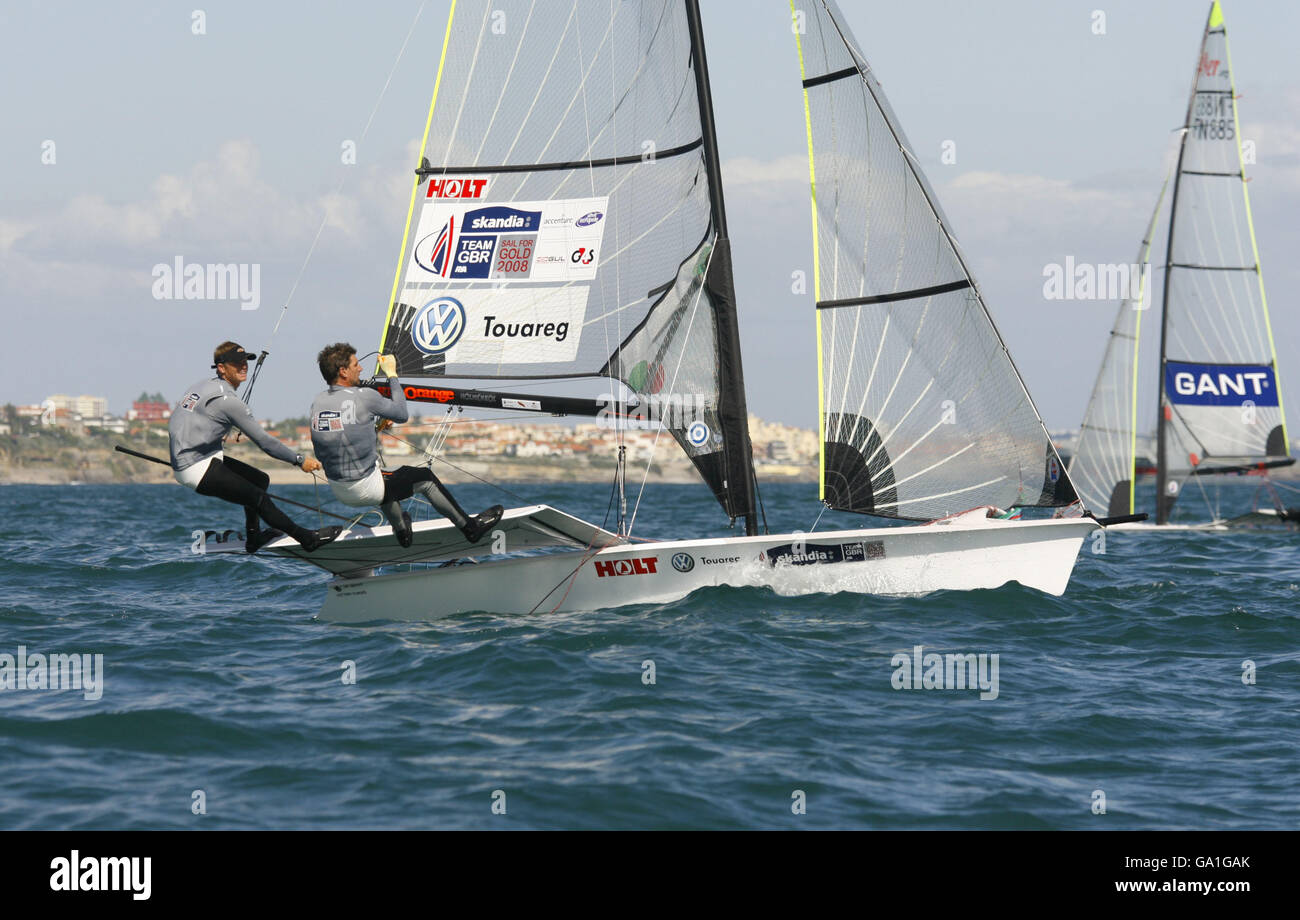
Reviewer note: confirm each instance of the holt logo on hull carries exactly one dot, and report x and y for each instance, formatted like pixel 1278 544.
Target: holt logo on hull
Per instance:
pixel 644 565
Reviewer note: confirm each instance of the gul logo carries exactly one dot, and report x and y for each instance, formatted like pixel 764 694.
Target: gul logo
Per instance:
pixel 438 325
pixel 455 188
pixel 645 565
pixel 683 562
pixel 588 219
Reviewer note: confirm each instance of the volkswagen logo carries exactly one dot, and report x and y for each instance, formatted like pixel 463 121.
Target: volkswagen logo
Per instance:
pixel 698 434
pixel 438 325
pixel 683 562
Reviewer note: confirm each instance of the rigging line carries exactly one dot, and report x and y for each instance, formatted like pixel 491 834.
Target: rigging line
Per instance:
pixel 813 528
pixel 342 179
pixel 487 482
pixel 588 555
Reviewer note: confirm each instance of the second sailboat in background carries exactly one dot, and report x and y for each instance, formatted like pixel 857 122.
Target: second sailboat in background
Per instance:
pixel 1220 400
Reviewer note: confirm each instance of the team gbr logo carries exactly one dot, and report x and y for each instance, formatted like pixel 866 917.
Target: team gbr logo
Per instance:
pixel 438 325
pixel 1220 384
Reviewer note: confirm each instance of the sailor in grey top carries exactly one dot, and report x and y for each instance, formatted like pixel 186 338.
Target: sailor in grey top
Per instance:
pixel 203 418
pixel 343 434
pixel 199 423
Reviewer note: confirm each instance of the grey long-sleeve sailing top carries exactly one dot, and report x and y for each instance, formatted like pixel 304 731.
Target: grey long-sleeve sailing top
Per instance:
pixel 343 428
pixel 204 416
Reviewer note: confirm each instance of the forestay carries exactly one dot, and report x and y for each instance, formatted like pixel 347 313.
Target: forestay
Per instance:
pixel 1221 400
pixel 561 222
pixel 922 411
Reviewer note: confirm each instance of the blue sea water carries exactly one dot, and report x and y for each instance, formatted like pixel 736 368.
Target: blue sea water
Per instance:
pixel 217 680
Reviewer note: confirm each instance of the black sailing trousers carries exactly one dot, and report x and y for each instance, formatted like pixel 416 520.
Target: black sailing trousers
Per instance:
pixel 234 481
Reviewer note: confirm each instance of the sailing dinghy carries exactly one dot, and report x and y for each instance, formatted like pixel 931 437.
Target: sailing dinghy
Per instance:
pixel 567 222
pixel 1220 402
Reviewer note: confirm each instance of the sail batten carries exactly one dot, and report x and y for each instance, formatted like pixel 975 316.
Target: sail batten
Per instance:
pixel 922 411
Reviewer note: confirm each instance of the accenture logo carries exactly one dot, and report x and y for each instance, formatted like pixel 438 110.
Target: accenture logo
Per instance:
pixel 438 325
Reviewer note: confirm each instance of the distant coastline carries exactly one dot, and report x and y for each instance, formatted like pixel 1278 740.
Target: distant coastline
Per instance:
pixel 57 457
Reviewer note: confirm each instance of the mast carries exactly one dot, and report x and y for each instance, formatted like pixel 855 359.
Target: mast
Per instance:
pixel 732 410
pixel 1164 503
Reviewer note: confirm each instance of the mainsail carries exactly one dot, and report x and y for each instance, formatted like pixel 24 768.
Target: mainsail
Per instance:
pixel 922 412
pixel 1104 466
pixel 567 218
pixel 1220 402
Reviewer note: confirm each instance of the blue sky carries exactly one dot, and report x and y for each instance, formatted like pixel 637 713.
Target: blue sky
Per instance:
pixel 225 147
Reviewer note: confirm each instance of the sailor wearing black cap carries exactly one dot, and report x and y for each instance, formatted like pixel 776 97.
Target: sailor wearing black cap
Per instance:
pixel 201 420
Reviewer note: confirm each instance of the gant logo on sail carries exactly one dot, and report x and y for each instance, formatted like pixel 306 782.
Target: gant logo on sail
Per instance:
pixel 1219 384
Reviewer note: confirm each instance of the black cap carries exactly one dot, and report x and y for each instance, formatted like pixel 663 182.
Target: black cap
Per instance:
pixel 235 355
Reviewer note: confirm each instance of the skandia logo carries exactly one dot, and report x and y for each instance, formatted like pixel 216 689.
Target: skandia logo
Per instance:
pixel 588 219
pixel 455 188
pixel 498 218
pixel 438 325
pixel 643 565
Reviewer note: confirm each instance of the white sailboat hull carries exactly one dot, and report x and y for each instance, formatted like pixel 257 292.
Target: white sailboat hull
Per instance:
pixel 963 553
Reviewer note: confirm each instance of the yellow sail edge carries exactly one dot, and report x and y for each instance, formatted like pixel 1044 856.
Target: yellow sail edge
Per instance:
pixel 817 275
pixel 415 188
